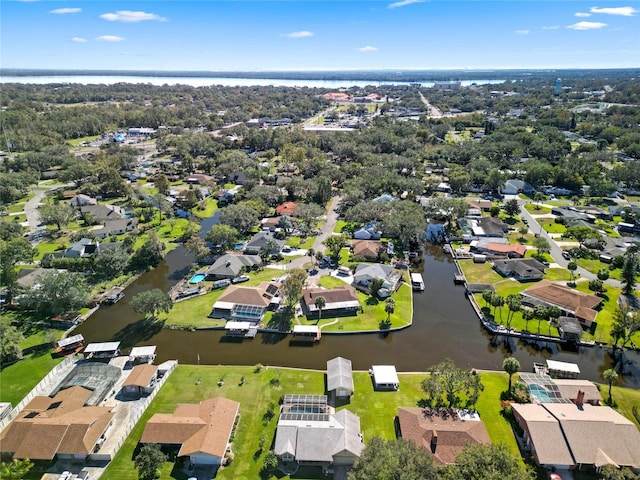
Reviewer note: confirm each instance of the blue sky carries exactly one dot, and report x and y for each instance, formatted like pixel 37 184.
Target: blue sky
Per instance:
pixel 315 35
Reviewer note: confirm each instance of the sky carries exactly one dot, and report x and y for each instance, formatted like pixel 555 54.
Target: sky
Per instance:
pixel 219 35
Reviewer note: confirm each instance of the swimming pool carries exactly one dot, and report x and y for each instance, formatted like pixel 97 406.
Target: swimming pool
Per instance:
pixel 197 278
pixel 238 246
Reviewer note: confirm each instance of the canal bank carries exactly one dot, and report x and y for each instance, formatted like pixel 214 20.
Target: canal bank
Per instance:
pixel 444 325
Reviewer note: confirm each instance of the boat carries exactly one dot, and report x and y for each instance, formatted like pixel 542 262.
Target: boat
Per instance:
pixel 70 345
pixel 417 282
pixel 114 295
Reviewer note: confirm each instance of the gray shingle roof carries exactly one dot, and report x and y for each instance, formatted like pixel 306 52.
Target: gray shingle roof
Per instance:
pixel 339 374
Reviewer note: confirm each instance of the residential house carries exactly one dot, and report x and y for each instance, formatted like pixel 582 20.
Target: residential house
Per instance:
pixel 522 269
pixel 369 231
pixel 443 435
pixel 569 436
pixel 514 187
pixel 29 277
pixel 340 377
pixel 544 389
pixel 83 248
pixel 498 248
pixel 365 273
pixel 488 227
pixel 481 204
pixel 571 302
pixel 270 223
pixel 141 380
pixel 102 213
pixel 385 198
pixel 341 300
pixel 368 249
pixel 81 200
pixel 117 227
pixel 287 208
pixel 61 426
pixel 246 303
pixel 230 266
pixel 309 432
pixel 202 431
pixel 237 178
pixel 199 178
pixel 264 242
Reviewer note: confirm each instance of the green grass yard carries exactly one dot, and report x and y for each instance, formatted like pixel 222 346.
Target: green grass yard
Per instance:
pixel 300 242
pixel 479 272
pixel 536 209
pixel 210 207
pixel 18 379
pixel 550 226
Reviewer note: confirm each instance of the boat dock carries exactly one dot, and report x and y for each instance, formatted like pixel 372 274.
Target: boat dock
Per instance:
pixel 417 282
pixel 241 329
pixel 306 333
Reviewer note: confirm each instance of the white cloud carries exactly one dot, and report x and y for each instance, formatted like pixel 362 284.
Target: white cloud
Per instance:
pixel 587 26
pixel 551 27
pixel 128 16
pixel 78 40
pixel 109 38
pixel 368 48
pixel 624 11
pixel 301 34
pixel 64 11
pixel 403 3
pixel 582 14
pixel 522 32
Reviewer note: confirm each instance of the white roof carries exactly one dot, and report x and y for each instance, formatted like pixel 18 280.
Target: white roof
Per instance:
pixel 231 325
pixel 305 329
pixel 143 351
pixel 562 366
pixel 70 340
pixel 416 277
pixel 102 347
pixel 385 374
pixel 224 305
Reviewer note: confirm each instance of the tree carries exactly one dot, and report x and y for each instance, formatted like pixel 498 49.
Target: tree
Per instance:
pixel 320 302
pixel 513 303
pixel 613 472
pixel 603 274
pixel 149 461
pixel 307 213
pixel 111 262
pixel 511 207
pixel 241 217
pixel 497 301
pixel 270 461
pixel 10 345
pixel 394 459
pixel 223 235
pixel 406 221
pixel 527 316
pixel 59 292
pixel 628 274
pixel 447 380
pixel 16 469
pixel 335 243
pixel 596 285
pixel 572 267
pixel 523 231
pixel 488 462
pixel 150 254
pixel 542 245
pixel 197 246
pixel 151 302
pixel 389 307
pixel 487 295
pixel 625 324
pixel 581 234
pixel 13 252
pixel 538 197
pixel 375 286
pixel 162 184
pixel 162 204
pixel 312 254
pixel 540 312
pixel 510 365
pixel 292 288
pixel 56 214
pixel 610 376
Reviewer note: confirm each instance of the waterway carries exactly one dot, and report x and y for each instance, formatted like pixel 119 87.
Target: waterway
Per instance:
pixel 444 325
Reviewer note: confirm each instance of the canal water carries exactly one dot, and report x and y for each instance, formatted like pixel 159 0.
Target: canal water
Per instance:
pixel 444 325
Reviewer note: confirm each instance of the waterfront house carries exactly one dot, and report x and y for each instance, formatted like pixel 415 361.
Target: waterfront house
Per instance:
pixel 264 242
pixel 544 389
pixel 141 380
pixel 522 269
pixel 83 248
pixel 61 426
pixel 230 266
pixel 370 250
pixel 340 377
pixel 488 227
pixel 309 432
pixel 246 303
pixel 202 431
pixel 499 247
pixel 365 273
pixel 571 436
pixel 339 301
pixel 572 302
pixel 442 432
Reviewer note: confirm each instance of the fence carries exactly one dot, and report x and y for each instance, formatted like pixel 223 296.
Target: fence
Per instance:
pixel 43 388
pixel 107 456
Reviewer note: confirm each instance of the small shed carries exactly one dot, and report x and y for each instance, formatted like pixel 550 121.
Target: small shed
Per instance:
pixel 141 380
pixel 570 329
pixel 102 350
pixel 385 377
pixel 145 354
pixel 340 377
pixel 563 369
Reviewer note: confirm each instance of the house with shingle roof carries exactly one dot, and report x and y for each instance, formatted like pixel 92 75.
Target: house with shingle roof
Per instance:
pixel 60 426
pixel 522 269
pixel 141 380
pixel 248 304
pixel 340 377
pixel 264 242
pixel 572 302
pixel 444 435
pixel 287 208
pixel 568 436
pixel 341 300
pixel 202 431
pixel 370 250
pixel 230 266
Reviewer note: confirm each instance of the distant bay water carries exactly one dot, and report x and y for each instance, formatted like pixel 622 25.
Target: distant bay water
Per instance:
pixel 210 81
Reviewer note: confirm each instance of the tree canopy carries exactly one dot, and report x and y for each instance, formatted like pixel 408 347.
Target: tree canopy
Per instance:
pixel 452 386
pixel 151 302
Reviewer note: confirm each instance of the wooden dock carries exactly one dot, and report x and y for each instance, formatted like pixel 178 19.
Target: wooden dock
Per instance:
pixel 459 279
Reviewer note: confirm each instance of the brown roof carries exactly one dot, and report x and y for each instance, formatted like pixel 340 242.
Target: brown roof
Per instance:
pixel 580 303
pixel 335 295
pixel 59 425
pixel 141 375
pixel 246 295
pixel 199 428
pixel 512 248
pixel 443 436
pixel 286 208
pixel 367 248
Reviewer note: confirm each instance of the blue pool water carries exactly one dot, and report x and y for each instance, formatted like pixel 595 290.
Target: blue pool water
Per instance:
pixel 197 278
pixel 238 246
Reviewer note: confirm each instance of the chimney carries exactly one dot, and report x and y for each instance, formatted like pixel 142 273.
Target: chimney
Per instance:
pixel 434 441
pixel 580 398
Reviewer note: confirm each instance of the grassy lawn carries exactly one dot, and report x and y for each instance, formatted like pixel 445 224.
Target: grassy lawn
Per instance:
pixel 18 379
pixel 210 207
pixel 554 274
pixel 340 224
pixel 550 226
pixel 19 218
pixel 536 209
pixel 626 398
pixel 15 208
pixel 373 313
pixel 479 272
pixel 77 141
pixel 594 266
pixel 377 410
pixel 48 247
pixel 300 242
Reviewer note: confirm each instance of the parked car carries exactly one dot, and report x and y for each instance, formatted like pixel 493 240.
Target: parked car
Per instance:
pixel 566 255
pixel 240 279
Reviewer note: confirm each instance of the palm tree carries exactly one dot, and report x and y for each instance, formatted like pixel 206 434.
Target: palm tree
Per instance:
pixel 389 307
pixel 487 295
pixel 511 366
pixel 320 303
pixel 497 301
pixel 540 313
pixel 572 267
pixel 312 254
pixel 610 376
pixel 375 286
pixel 513 303
pixel 527 315
pixel 538 197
